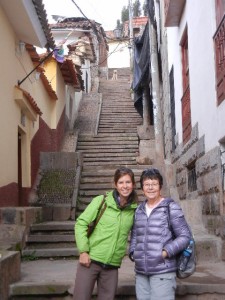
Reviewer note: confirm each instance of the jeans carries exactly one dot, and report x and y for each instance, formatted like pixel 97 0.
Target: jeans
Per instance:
pixel 156 287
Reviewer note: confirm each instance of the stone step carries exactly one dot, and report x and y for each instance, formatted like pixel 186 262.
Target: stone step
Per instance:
pixel 125 109
pixel 105 137
pixel 208 282
pixel 128 163
pixel 43 237
pixel 107 154
pixel 111 89
pixel 108 142
pixel 115 135
pixel 117 125
pixel 96 186
pixel 50 252
pixel 94 171
pixel 50 238
pixel 94 148
pixel 82 146
pixel 31 247
pixel 53 226
pixel 85 200
pixel 119 119
pixel 109 159
pixel 137 169
pixel 93 193
pixel 115 130
pixel 112 124
pixel 97 179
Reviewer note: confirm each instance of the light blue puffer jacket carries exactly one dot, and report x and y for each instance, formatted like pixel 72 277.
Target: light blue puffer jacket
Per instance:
pixel 150 235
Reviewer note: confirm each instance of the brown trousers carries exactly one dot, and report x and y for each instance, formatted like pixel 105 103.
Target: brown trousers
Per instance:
pixel 107 280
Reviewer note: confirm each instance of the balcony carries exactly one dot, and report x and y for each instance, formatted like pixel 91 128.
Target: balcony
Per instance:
pixel 173 11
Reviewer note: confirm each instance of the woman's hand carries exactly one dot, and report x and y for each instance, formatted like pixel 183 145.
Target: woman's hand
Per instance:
pixel 164 254
pixel 84 259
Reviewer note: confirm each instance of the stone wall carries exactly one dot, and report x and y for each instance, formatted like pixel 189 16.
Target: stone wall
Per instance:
pixel 57 185
pixel 208 178
pixel 90 107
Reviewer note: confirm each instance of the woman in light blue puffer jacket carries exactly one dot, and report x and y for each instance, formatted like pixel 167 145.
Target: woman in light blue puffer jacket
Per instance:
pixel 153 246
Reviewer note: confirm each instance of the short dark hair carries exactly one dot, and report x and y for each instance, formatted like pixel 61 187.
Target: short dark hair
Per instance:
pixel 151 173
pixel 123 171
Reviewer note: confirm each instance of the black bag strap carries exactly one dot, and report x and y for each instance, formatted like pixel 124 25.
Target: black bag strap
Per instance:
pixel 168 216
pixel 170 226
pixel 100 211
pixel 98 217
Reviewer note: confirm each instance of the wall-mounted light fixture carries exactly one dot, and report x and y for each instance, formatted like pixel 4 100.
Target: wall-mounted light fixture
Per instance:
pixel 21 46
pixel 37 75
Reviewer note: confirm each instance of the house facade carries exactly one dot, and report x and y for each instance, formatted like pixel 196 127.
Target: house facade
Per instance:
pixel 119 51
pixel 191 45
pixel 84 41
pixel 32 97
pixel 120 43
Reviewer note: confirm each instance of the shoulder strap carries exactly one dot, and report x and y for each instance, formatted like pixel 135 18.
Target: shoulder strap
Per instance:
pixel 100 211
pixel 168 216
pixel 170 226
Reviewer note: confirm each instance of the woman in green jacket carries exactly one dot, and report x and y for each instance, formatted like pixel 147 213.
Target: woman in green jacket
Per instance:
pixel 101 254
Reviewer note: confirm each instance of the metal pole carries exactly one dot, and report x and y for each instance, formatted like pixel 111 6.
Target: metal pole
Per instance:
pixel 21 81
pixel 131 32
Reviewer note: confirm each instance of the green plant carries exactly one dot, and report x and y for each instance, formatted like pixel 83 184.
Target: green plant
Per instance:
pixel 30 257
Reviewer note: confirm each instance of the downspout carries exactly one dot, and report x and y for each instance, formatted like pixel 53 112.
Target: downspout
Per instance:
pixel 155 91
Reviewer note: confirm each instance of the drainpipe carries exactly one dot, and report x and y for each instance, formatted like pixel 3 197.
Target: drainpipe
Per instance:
pixel 155 90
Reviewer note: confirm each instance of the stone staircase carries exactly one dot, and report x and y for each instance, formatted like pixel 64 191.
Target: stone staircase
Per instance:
pixel 116 143
pixel 50 239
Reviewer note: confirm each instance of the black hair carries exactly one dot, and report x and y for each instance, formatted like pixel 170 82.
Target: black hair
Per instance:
pixel 151 173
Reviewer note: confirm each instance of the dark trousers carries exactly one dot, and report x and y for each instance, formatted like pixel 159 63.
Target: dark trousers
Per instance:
pixel 107 280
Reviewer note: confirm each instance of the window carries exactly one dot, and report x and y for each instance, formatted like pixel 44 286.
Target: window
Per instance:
pixel 220 9
pixel 185 63
pixel 185 101
pixel 219 45
pixel 192 178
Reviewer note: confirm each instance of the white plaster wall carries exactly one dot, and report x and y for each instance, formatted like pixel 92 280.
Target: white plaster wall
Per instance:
pixel 200 19
pixel 119 55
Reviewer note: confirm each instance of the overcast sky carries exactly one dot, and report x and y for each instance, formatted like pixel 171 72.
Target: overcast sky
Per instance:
pixel 105 12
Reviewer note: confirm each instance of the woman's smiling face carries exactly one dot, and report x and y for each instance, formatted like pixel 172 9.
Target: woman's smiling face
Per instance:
pixel 124 186
pixel 151 189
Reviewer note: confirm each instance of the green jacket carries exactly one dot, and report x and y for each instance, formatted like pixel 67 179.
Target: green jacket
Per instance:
pixel 108 242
